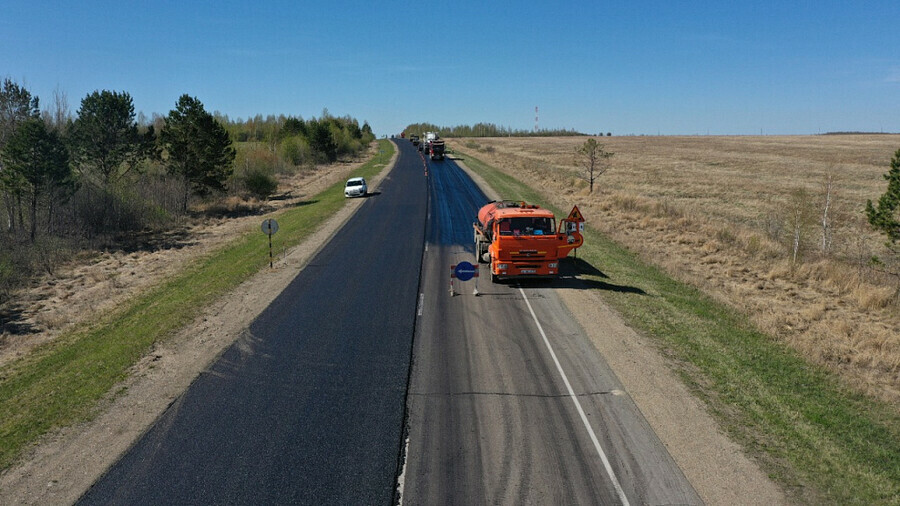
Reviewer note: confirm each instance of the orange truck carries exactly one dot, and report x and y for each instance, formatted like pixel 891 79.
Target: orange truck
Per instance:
pixel 522 240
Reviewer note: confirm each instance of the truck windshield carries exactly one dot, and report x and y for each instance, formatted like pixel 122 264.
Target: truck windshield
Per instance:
pixel 526 226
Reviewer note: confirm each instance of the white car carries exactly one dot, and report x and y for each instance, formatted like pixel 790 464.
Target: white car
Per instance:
pixel 356 187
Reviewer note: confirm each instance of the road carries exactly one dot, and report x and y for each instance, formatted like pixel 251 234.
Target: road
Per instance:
pixel 509 402
pixel 308 406
pixel 365 367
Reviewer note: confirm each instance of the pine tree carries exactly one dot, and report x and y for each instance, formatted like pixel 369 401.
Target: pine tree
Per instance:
pixel 16 106
pixel 104 140
pixel 197 147
pixel 39 161
pixel 321 141
pixel 885 218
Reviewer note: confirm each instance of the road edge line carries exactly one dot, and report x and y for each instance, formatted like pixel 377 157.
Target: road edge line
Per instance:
pixel 587 425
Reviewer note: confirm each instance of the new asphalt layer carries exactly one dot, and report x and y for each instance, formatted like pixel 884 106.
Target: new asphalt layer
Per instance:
pixel 307 407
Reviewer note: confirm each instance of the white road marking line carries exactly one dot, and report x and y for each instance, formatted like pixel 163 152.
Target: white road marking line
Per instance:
pixel 421 304
pixel 587 424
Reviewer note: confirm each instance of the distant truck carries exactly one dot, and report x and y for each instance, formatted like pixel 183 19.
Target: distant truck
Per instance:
pixel 436 149
pixel 434 146
pixel 522 240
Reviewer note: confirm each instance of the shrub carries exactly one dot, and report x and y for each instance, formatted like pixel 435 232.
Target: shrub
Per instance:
pixel 295 150
pixel 259 184
pixel 7 277
pixel 108 211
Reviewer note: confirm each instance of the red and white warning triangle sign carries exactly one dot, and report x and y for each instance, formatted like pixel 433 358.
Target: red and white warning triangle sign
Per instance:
pixel 575 215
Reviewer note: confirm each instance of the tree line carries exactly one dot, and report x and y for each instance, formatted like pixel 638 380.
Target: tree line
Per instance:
pixel 96 179
pixel 321 140
pixel 484 130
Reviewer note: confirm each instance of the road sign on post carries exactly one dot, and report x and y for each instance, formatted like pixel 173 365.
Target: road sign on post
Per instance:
pixel 575 215
pixel 463 271
pixel 269 227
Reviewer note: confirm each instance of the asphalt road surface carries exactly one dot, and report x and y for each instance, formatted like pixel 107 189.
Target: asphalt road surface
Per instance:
pixel 366 368
pixel 509 402
pixel 308 407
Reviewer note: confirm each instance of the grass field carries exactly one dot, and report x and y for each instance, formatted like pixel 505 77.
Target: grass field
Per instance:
pixel 62 382
pixel 721 213
pixel 823 442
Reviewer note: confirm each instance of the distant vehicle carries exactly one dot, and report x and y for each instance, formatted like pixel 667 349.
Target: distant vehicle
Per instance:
pixel 414 139
pixel 402 135
pixel 356 187
pixel 436 149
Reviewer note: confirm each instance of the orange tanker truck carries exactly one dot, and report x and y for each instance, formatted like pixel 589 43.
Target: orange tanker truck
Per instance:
pixel 522 240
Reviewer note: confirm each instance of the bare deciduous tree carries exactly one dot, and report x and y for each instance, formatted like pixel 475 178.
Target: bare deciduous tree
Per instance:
pixel 592 158
pixel 58 116
pixel 800 220
pixel 828 188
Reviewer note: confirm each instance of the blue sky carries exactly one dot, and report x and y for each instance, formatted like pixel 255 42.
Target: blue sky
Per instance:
pixel 773 67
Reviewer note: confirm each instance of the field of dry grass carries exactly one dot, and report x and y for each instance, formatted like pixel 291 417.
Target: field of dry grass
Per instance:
pixel 723 214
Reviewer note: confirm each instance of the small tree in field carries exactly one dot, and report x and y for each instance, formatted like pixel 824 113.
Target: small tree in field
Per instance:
pixel 799 220
pixel 592 158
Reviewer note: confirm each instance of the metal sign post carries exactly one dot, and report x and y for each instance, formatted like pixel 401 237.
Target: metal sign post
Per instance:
pixel 269 227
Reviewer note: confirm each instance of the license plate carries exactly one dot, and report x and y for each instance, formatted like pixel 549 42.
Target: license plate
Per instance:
pixel 528 271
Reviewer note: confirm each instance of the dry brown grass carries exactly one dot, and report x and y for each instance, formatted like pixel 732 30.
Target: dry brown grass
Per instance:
pixel 716 212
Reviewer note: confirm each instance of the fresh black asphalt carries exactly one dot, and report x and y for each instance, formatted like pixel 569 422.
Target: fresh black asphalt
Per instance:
pixel 308 406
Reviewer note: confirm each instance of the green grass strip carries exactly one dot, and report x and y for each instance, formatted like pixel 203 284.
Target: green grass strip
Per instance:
pixel 62 382
pixel 820 441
